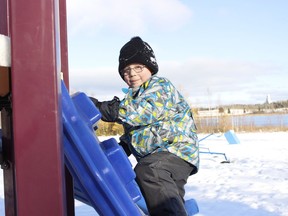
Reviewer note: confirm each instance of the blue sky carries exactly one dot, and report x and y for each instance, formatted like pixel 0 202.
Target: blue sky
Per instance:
pixel 214 52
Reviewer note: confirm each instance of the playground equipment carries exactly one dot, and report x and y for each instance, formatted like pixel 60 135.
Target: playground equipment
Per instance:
pixel 36 181
pixel 231 139
pixel 102 174
pixel 40 176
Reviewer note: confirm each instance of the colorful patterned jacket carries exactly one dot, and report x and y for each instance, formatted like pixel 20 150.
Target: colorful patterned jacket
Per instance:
pixel 157 118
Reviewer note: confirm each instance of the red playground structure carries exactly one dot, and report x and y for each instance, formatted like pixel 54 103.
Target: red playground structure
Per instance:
pixel 36 181
pixel 49 152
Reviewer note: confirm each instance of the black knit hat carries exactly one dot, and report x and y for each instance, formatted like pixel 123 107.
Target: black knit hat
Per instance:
pixel 137 51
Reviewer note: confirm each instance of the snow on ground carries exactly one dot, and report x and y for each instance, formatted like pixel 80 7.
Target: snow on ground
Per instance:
pixel 254 183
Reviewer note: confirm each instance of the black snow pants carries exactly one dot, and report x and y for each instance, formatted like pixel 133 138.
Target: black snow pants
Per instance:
pixel 161 177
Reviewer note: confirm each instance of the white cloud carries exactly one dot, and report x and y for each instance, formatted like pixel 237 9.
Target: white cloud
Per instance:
pixel 226 81
pixel 201 80
pixel 126 16
pixel 103 83
pixel 237 81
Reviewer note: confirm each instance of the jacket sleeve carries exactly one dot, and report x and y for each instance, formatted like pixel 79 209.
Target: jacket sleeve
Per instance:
pixel 108 109
pixel 125 147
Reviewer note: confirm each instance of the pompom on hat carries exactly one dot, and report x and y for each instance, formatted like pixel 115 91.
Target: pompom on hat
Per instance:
pixel 137 51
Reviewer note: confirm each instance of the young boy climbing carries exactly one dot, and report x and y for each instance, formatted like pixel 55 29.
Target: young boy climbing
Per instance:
pixel 159 130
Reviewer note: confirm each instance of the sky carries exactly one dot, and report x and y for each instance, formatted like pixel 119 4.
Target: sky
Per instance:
pixel 214 52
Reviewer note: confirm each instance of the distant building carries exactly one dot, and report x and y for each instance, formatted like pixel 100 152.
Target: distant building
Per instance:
pixel 217 112
pixel 268 99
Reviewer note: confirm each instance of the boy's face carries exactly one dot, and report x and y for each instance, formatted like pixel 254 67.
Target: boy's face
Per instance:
pixel 135 75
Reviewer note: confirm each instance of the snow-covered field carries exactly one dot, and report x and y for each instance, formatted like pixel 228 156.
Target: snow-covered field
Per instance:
pixel 254 183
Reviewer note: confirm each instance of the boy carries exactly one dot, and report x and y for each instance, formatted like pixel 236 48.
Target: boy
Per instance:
pixel 159 130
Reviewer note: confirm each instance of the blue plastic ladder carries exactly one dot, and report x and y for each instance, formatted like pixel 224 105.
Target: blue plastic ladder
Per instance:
pixel 97 168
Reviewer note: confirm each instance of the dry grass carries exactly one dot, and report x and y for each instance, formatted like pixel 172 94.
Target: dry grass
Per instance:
pixel 206 125
pixel 241 123
pixel 108 129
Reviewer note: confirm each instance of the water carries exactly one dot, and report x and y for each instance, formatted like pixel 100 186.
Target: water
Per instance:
pixel 267 120
pixel 277 120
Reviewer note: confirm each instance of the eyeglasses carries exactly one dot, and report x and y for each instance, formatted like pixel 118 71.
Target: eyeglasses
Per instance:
pixel 137 69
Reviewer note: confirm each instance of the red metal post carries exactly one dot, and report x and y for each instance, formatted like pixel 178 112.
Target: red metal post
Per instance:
pixel 6 120
pixel 37 162
pixel 65 70
pixel 3 17
pixel 64 42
